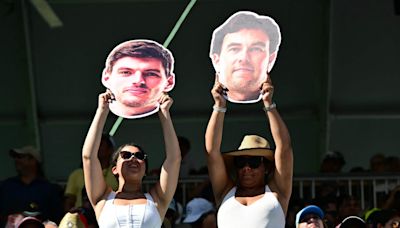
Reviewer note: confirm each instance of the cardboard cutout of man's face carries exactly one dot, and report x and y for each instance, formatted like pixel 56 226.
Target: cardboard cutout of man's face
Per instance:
pixel 137 77
pixel 244 54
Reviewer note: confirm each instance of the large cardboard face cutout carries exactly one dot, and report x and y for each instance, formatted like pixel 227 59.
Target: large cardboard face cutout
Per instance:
pixel 138 72
pixel 243 51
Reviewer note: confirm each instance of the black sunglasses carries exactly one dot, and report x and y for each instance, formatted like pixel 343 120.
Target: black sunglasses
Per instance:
pixel 126 155
pixel 253 161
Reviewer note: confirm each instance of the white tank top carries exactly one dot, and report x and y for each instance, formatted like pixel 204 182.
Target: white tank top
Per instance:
pixel 265 212
pixel 132 216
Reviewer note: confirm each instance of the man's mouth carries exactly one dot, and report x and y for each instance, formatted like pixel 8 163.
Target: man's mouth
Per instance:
pixel 243 69
pixel 135 90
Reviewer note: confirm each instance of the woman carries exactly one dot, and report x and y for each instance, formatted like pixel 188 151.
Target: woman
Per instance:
pixel 129 206
pixel 250 199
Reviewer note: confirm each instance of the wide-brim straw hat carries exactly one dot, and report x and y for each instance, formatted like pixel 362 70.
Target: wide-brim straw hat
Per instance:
pixel 252 145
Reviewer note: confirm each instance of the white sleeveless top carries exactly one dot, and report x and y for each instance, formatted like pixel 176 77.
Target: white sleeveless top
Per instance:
pixel 132 216
pixel 265 212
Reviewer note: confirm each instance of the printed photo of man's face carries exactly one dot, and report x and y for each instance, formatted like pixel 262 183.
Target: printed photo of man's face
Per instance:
pixel 243 51
pixel 138 72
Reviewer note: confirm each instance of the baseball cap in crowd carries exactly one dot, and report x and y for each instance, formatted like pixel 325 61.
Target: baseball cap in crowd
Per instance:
pixel 196 208
pixel 73 220
pixel 352 222
pixel 311 209
pixel 30 222
pixel 26 150
pixel 172 205
pixel 32 210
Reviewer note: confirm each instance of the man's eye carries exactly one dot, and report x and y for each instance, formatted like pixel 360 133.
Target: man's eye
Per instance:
pixel 151 74
pixel 234 49
pixel 124 72
pixel 257 49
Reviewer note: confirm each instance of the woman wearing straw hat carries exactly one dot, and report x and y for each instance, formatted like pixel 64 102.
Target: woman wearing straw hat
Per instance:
pixel 129 206
pixel 250 199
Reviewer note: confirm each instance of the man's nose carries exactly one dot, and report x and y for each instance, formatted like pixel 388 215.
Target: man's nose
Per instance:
pixel 137 78
pixel 244 55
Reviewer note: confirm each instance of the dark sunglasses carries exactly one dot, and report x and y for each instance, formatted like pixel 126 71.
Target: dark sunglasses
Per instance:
pixel 253 161
pixel 126 155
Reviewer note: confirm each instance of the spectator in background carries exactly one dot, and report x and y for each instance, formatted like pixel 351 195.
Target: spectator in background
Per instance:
pixel 29 189
pixel 380 164
pixel 386 219
pixel 30 222
pixel 73 220
pixel 75 184
pixel 187 164
pixel 377 163
pixel 352 222
pixel 85 212
pixel 329 206
pixel 310 216
pixel 393 201
pixel 392 164
pixel 200 213
pixel 333 162
pixel 348 206
pixel 295 205
pixel 171 216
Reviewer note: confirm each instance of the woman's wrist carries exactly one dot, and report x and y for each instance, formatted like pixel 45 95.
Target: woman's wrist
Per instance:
pixel 217 108
pixel 269 107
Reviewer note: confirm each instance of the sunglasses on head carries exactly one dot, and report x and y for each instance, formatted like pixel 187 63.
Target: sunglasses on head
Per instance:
pixel 252 161
pixel 126 155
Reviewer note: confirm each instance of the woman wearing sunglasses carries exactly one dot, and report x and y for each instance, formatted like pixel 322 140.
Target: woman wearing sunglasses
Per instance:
pixel 129 206
pixel 258 195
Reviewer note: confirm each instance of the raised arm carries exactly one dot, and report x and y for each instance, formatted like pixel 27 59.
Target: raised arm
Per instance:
pixel 219 177
pixel 164 190
pixel 95 184
pixel 283 174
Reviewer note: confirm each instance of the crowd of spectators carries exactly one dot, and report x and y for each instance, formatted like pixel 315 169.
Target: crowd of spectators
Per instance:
pixel 30 200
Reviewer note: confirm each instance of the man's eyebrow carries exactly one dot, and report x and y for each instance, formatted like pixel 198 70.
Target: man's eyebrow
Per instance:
pixel 259 43
pixel 124 68
pixel 233 44
pixel 156 70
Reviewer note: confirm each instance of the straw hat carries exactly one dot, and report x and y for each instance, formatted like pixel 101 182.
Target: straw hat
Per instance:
pixel 252 145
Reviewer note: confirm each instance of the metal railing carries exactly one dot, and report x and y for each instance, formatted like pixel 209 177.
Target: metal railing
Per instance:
pixel 365 186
